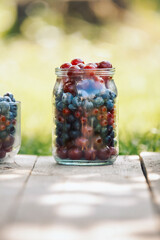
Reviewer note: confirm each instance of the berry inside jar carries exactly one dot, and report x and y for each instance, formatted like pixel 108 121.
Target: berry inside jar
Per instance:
pixel 9 126
pixel 85 114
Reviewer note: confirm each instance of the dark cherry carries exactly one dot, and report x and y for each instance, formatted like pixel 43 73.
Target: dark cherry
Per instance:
pixel 73 70
pixel 9 149
pixel 66 65
pixel 76 61
pixel 75 153
pixel 2 153
pixel 90 154
pixel 103 153
pixel 105 64
pixel 113 151
pixel 81 65
pixel 62 152
pixel 8 141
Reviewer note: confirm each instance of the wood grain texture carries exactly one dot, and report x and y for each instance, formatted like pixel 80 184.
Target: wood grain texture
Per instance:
pixel 84 203
pixel 13 176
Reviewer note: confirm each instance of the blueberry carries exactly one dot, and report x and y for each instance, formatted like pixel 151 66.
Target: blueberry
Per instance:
pixel 71 118
pixel 76 125
pixel 58 132
pixel 98 102
pixel 59 125
pixel 65 137
pixel 104 131
pixel 67 126
pixel 10 95
pixel 76 101
pixel 98 128
pixel 7 99
pixel 59 141
pixel 13 107
pixel 4 107
pixel 109 129
pixel 10 116
pixel 74 134
pixel 88 105
pixel 82 93
pixel 1 99
pixel 112 134
pixel 108 140
pixel 112 95
pixel 109 105
pixel 106 94
pixel 11 129
pixel 60 106
pixel 3 134
pixel 67 98
pixel 71 107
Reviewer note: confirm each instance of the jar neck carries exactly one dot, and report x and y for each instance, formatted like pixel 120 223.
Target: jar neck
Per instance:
pixel 81 72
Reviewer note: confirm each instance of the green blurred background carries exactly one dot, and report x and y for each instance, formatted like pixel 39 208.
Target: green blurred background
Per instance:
pixel 37 36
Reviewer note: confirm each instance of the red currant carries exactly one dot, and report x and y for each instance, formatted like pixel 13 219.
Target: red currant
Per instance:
pixel 66 65
pixel 66 111
pixel 95 111
pixel 77 114
pixel 83 120
pixel 73 70
pixel 103 123
pixel 2 127
pixel 103 109
pixel 77 61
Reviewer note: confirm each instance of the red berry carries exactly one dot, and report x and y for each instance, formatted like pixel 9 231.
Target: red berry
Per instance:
pixel 2 153
pixel 62 152
pixel 104 109
pixel 113 151
pixel 90 66
pixel 110 121
pixel 82 142
pixel 87 131
pixel 103 123
pixel 69 88
pixel 81 65
pixel 66 111
pixel 109 115
pixel 66 65
pixel 75 153
pixel 105 64
pixel 8 141
pixel 61 119
pixel 9 149
pixel 77 61
pixel 90 154
pixel 73 70
pixel 2 127
pixel 100 117
pixel 95 111
pixel 98 141
pixel 103 153
pixel 83 120
pixel 2 118
pixel 77 114
pixel 8 122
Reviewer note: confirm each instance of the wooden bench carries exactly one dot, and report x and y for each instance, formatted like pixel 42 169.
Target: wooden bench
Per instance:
pixel 41 200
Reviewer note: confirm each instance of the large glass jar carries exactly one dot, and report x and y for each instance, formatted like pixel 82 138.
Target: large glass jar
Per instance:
pixel 10 129
pixel 85 117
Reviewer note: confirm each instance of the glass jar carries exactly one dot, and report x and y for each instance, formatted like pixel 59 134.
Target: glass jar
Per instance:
pixel 85 117
pixel 10 130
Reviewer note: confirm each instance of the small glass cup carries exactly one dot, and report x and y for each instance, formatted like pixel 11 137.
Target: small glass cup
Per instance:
pixel 10 130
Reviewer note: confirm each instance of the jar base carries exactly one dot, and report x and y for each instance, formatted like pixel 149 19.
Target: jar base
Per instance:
pixel 83 162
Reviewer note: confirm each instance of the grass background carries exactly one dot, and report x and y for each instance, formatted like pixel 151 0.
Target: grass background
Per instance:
pixel 41 37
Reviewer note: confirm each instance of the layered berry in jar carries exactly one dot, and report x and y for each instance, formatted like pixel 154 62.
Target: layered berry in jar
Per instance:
pixel 85 114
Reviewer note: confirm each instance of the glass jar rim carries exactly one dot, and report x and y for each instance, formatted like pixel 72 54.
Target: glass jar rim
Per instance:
pixel 97 71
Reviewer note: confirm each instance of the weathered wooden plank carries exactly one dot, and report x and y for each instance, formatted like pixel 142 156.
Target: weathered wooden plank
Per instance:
pixel 89 203
pixel 13 176
pixel 152 164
